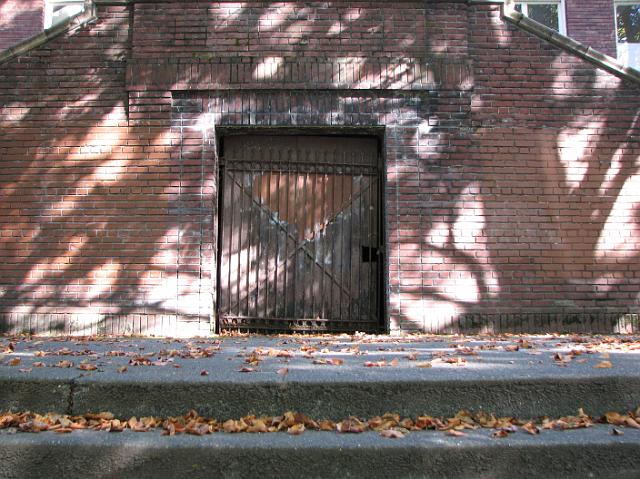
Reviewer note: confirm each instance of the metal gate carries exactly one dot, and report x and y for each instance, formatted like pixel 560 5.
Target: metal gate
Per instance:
pixel 299 244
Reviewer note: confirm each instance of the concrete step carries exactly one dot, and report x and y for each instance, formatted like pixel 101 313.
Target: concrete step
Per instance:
pixel 525 383
pixel 579 454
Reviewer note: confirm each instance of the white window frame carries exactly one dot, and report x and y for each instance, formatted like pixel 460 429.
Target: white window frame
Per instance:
pixel 50 4
pixel 619 53
pixel 562 16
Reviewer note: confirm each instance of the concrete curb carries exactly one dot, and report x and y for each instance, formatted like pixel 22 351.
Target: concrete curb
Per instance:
pixel 523 398
pixel 337 400
pixel 567 454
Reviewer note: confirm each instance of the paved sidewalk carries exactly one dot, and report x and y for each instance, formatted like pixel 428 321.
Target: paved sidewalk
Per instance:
pixel 326 377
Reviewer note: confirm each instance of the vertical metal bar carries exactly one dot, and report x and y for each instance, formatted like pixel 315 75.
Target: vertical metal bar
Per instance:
pixel 257 181
pixel 276 296
pixel 361 316
pixel 286 245
pixel 370 243
pixel 295 244
pixel 314 242
pixel 304 280
pixel 232 185
pixel 321 238
pixel 239 255
pixel 377 220
pixel 332 238
pixel 265 313
pixel 247 198
pixel 341 240
pixel 350 247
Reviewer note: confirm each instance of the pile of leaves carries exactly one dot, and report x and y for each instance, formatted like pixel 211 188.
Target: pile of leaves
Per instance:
pixel 389 425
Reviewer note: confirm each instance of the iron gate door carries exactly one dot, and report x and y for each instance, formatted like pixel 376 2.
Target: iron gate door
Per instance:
pixel 299 244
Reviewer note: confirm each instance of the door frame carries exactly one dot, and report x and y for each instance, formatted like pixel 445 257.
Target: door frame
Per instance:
pixel 376 132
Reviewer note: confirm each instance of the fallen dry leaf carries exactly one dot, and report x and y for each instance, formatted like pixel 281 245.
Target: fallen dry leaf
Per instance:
pixel 616 432
pixel 296 429
pixel 87 367
pixel 424 364
pixel 621 420
pixel 14 362
pixel 454 433
pixel 351 425
pixel 204 373
pixel 531 428
pixel 330 362
pixel 603 365
pixel 246 370
pixel 122 369
pixel 392 434
pixel 375 364
pixel 283 371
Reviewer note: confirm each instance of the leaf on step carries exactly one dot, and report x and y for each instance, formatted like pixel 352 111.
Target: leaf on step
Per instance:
pixel 230 426
pixel 531 428
pixel 351 425
pixel 15 362
pixel 326 425
pixel 87 367
pixel 392 434
pixel 296 429
pixel 375 364
pixel 603 365
pixel 455 433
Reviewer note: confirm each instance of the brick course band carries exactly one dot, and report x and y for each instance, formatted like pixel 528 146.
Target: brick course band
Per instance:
pixel 314 74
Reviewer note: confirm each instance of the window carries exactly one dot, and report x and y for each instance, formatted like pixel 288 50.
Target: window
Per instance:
pixel 548 12
pixel 628 32
pixel 57 11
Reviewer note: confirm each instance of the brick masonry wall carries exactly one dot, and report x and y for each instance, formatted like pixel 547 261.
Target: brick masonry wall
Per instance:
pixel 592 23
pixel 510 198
pixel 19 20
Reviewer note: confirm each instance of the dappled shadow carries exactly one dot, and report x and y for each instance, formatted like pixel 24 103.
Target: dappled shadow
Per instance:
pixel 549 237
pixel 513 198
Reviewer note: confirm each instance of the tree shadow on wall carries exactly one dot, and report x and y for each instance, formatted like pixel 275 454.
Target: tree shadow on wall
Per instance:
pixel 95 224
pixel 549 238
pixel 91 210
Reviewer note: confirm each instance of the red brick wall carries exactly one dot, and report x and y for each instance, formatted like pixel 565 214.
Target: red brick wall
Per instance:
pixel 19 20
pixel 510 199
pixel 592 22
